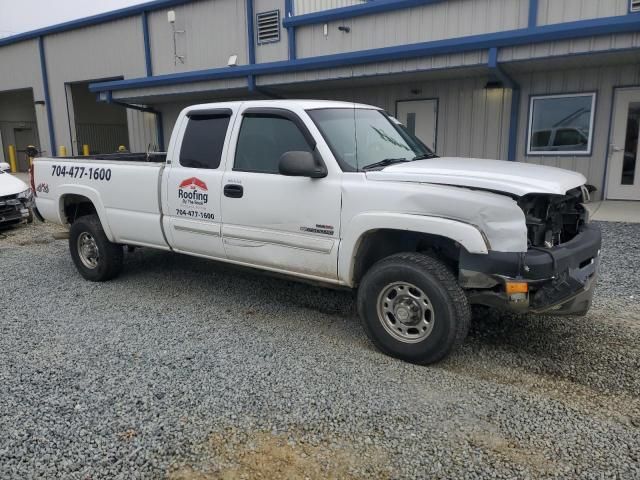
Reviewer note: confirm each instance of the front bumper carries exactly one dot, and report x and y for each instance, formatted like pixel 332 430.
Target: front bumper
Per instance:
pixel 13 209
pixel 560 279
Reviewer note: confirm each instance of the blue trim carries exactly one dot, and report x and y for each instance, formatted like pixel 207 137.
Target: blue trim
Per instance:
pixel 377 6
pixel 514 116
pixel 94 20
pixel 251 45
pixel 47 97
pixel 291 31
pixel 533 13
pixel 546 33
pixel 147 44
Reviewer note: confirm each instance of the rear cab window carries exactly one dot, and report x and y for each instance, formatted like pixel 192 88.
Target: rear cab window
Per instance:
pixel 204 138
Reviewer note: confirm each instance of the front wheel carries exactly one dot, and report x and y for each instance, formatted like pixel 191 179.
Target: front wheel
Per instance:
pixel 95 257
pixel 412 308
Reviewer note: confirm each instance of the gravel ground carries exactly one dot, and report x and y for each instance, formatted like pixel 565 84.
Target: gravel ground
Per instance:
pixel 186 369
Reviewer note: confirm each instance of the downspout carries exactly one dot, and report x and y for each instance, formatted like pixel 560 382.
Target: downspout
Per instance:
pixel 291 30
pixel 149 70
pixel 47 97
pixel 533 13
pixel 514 116
pixel 251 81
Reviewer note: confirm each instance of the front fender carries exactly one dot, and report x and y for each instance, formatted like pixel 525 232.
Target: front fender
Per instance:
pixel 467 235
pixel 92 194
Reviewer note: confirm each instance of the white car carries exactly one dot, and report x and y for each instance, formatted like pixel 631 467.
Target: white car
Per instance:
pixel 339 194
pixel 15 198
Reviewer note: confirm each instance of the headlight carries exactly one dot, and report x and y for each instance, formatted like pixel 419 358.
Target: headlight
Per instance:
pixel 27 194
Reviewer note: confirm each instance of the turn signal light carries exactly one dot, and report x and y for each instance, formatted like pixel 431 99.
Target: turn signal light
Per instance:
pixel 516 287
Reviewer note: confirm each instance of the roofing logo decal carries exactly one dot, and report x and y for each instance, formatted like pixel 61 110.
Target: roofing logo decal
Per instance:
pixel 193 192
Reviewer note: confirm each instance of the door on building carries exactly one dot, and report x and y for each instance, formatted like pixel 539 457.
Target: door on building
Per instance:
pixel 23 138
pixel 421 118
pixel 624 152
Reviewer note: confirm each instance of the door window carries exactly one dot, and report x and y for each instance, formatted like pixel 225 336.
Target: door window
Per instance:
pixel 263 139
pixel 631 145
pixel 203 141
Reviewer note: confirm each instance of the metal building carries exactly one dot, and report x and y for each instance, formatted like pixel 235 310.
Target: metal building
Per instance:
pixel 555 82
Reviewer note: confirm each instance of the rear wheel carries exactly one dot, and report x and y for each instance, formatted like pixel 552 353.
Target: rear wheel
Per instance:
pixel 412 308
pixel 95 257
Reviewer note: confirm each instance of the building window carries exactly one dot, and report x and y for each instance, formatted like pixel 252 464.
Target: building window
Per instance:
pixel 634 5
pixel 561 124
pixel 268 26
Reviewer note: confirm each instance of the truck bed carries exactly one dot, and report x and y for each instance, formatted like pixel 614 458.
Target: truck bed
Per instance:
pixel 124 191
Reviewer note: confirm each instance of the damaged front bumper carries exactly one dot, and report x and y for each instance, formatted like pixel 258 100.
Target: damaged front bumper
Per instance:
pixel 559 280
pixel 14 209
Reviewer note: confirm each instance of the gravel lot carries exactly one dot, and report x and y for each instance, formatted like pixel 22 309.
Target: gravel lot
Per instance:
pixel 187 369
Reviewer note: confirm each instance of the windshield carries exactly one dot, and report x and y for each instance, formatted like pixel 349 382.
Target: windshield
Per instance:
pixel 361 138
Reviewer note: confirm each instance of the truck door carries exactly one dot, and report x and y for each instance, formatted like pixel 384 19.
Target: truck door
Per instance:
pixel 276 221
pixel 193 217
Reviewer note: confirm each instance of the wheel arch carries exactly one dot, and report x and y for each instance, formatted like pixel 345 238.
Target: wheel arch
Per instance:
pixel 371 237
pixel 77 201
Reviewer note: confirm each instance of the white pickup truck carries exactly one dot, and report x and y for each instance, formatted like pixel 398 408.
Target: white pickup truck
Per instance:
pixel 344 195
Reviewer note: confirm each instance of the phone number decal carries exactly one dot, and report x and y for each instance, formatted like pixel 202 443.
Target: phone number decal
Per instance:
pixel 194 214
pixel 100 174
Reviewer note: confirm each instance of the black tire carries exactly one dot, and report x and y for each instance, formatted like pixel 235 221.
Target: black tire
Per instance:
pixel 449 304
pixel 109 259
pixel 30 217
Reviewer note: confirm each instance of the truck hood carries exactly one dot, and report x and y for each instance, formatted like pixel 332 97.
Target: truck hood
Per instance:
pixel 10 185
pixel 515 178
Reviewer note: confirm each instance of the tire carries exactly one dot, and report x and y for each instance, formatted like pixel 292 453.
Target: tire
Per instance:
pixel 96 266
pixel 430 310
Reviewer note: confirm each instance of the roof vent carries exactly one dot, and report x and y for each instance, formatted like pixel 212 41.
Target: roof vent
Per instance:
pixel 635 5
pixel 268 25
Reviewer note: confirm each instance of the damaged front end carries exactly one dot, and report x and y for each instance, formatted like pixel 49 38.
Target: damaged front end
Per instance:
pixel 557 272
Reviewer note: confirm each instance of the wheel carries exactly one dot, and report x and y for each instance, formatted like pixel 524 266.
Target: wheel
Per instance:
pixel 412 308
pixel 95 257
pixel 30 217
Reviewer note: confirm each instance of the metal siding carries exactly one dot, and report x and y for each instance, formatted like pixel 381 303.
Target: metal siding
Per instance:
pixel 309 6
pixel 272 52
pixel 101 51
pixel 599 79
pixel 142 130
pixel 472 121
pixel 21 69
pixel 214 30
pixel 602 43
pixel 438 21
pixel 558 11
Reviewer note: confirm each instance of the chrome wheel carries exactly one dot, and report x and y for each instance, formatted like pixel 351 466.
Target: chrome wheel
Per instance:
pixel 405 312
pixel 88 250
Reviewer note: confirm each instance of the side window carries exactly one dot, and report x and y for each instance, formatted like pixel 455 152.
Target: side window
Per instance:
pixel 203 141
pixel 262 141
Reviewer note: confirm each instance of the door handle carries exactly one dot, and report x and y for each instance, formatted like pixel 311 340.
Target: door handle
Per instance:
pixel 233 191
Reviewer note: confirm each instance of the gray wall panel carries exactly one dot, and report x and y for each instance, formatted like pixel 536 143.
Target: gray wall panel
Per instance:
pixel 557 11
pixel 101 51
pixel 300 7
pixel 21 69
pixel 443 20
pixel 213 31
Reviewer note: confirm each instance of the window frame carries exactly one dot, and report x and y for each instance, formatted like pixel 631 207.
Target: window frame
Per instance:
pixel 561 153
pixel 220 112
pixel 272 112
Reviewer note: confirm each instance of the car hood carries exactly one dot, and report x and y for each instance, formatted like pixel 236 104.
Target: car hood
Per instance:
pixel 10 185
pixel 515 178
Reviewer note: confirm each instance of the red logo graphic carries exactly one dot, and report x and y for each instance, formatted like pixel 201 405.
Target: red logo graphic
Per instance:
pixel 193 183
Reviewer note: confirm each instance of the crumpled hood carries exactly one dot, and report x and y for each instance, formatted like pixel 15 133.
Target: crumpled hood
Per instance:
pixel 10 185
pixel 516 178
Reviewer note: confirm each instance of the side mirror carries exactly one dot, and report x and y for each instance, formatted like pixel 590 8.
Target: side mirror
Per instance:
pixel 4 167
pixel 301 164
